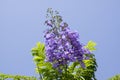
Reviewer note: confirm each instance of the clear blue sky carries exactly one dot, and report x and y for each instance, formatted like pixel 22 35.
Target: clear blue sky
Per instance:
pixel 21 26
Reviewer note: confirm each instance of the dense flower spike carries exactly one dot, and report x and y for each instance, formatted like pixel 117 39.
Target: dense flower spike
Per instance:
pixel 62 45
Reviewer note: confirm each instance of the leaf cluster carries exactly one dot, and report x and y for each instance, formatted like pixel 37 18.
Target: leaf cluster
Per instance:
pixel 72 72
pixel 15 77
pixel 116 77
pixel 87 73
pixel 45 70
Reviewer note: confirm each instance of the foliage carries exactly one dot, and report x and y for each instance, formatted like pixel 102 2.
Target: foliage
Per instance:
pixel 74 72
pixel 15 77
pixel 116 77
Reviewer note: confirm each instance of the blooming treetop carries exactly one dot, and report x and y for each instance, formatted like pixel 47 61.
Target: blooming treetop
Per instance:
pixel 61 43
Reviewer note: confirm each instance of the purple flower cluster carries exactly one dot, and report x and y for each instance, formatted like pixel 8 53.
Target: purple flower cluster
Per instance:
pixel 62 46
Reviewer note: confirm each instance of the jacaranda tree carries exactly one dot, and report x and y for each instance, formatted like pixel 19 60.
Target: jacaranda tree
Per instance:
pixel 63 56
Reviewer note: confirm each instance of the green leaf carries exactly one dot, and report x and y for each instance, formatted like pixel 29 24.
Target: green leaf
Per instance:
pixel 91 46
pixel 37 58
